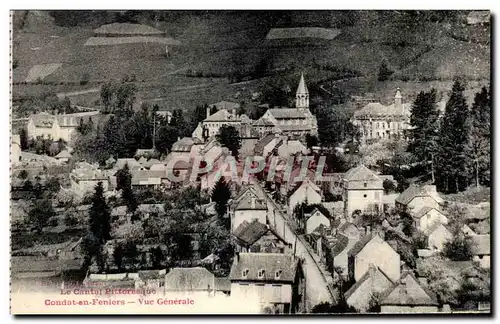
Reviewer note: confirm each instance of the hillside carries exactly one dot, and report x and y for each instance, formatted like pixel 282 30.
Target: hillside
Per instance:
pixel 217 48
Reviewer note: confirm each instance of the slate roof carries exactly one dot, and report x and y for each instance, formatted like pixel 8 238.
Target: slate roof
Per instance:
pixel 412 192
pixel 376 109
pixel 246 204
pixel 189 279
pixel 269 262
pixel 423 211
pixel 19 264
pixel 145 176
pixel 286 113
pixel 302 88
pixel 360 173
pixel 339 244
pixel 222 116
pixel 263 122
pixel 481 244
pixel 185 144
pixel 367 276
pixel 259 147
pixel 408 291
pixel 249 233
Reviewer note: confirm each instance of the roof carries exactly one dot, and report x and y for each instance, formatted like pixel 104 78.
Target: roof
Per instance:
pixel 481 244
pixel 271 263
pixel 189 279
pixel 184 144
pixel 369 275
pixel 302 88
pixel 20 264
pixel 249 233
pixel 360 173
pixel 151 274
pixel 63 154
pixel 423 211
pixel 127 29
pixel 287 113
pixel 88 172
pixel 222 115
pixel 344 226
pixel 147 176
pixel 339 244
pixel 412 192
pixel 263 122
pixel 259 147
pixel 408 291
pixel 435 226
pixel 376 109
pixel 251 203
pixel 225 105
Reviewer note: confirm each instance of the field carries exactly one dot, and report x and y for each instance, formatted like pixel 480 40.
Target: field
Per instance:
pixel 215 46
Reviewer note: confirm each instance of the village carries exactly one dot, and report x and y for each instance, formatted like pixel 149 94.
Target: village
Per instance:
pixel 394 221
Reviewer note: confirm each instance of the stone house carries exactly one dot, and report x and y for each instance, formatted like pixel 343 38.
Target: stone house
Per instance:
pixel 427 217
pixel 416 197
pixel 365 291
pixel 256 237
pixel 438 235
pixel 306 192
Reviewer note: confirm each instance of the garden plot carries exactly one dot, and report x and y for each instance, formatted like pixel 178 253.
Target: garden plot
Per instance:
pixel 41 71
pixel 101 41
pixel 303 32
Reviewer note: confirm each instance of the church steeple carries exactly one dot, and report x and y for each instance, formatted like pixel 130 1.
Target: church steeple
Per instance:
pixel 302 96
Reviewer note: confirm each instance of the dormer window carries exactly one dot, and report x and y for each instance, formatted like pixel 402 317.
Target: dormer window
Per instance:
pixel 244 273
pixel 261 273
pixel 278 273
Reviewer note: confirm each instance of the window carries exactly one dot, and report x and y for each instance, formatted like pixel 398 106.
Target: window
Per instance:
pixel 244 273
pixel 261 273
pixel 365 184
pixel 278 273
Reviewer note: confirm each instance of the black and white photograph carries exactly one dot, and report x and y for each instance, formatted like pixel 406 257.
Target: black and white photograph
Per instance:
pixel 246 162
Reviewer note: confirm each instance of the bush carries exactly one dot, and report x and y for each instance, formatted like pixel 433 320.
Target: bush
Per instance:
pixel 459 248
pixel 389 186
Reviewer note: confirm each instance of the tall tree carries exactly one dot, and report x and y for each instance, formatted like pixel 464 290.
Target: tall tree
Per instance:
pixel 99 219
pixel 424 133
pixel 23 136
pixel 220 195
pixel 451 166
pixel 479 139
pixel 228 137
pixel 130 199
pixel 123 178
pixel 384 72
pixel 41 212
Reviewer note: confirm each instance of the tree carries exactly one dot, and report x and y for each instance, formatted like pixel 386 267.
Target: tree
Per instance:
pixel 389 186
pixel 40 214
pixel 311 141
pixel 220 195
pixel 228 137
pixel 23 136
pixel 459 248
pixel 157 257
pixel 479 139
pixel 451 160
pixel 107 96
pixel 123 178
pixel 130 253
pixel 99 219
pixel 384 72
pixel 118 256
pixel 23 174
pixel 424 134
pixel 130 199
pixel 327 308
pixel 332 126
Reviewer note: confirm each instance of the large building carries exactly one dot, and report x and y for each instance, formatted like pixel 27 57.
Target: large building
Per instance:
pixel 295 122
pixel 213 122
pixel 377 121
pixel 55 127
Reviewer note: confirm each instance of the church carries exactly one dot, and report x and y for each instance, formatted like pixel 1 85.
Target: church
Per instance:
pixel 294 122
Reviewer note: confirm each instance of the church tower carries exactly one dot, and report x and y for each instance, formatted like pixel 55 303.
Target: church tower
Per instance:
pixel 398 100
pixel 302 96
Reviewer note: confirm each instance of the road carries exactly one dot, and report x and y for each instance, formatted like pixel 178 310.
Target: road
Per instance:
pixel 318 280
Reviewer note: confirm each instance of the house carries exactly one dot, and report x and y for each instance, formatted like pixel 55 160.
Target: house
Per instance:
pixel 416 197
pixel 148 179
pixel 378 121
pixel 37 267
pixel 267 144
pixel 152 279
pixel 478 18
pixel 372 249
pixel 63 156
pixel 268 279
pixel 363 294
pixel 408 296
pixel 295 122
pixel 349 229
pixel 314 219
pixel 249 208
pixel 481 249
pixel 362 190
pixel 190 280
pixel 256 237
pixel 340 251
pixel 186 148
pixel 211 125
pixel 57 127
pixel 291 147
pixel 307 192
pixel 427 217
pixel 438 235
pixel 15 149
pixel 249 137
pixel 85 177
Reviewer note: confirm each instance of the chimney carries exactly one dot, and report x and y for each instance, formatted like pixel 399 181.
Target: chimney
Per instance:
pixel 398 100
pixel 208 111
pixel 178 138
